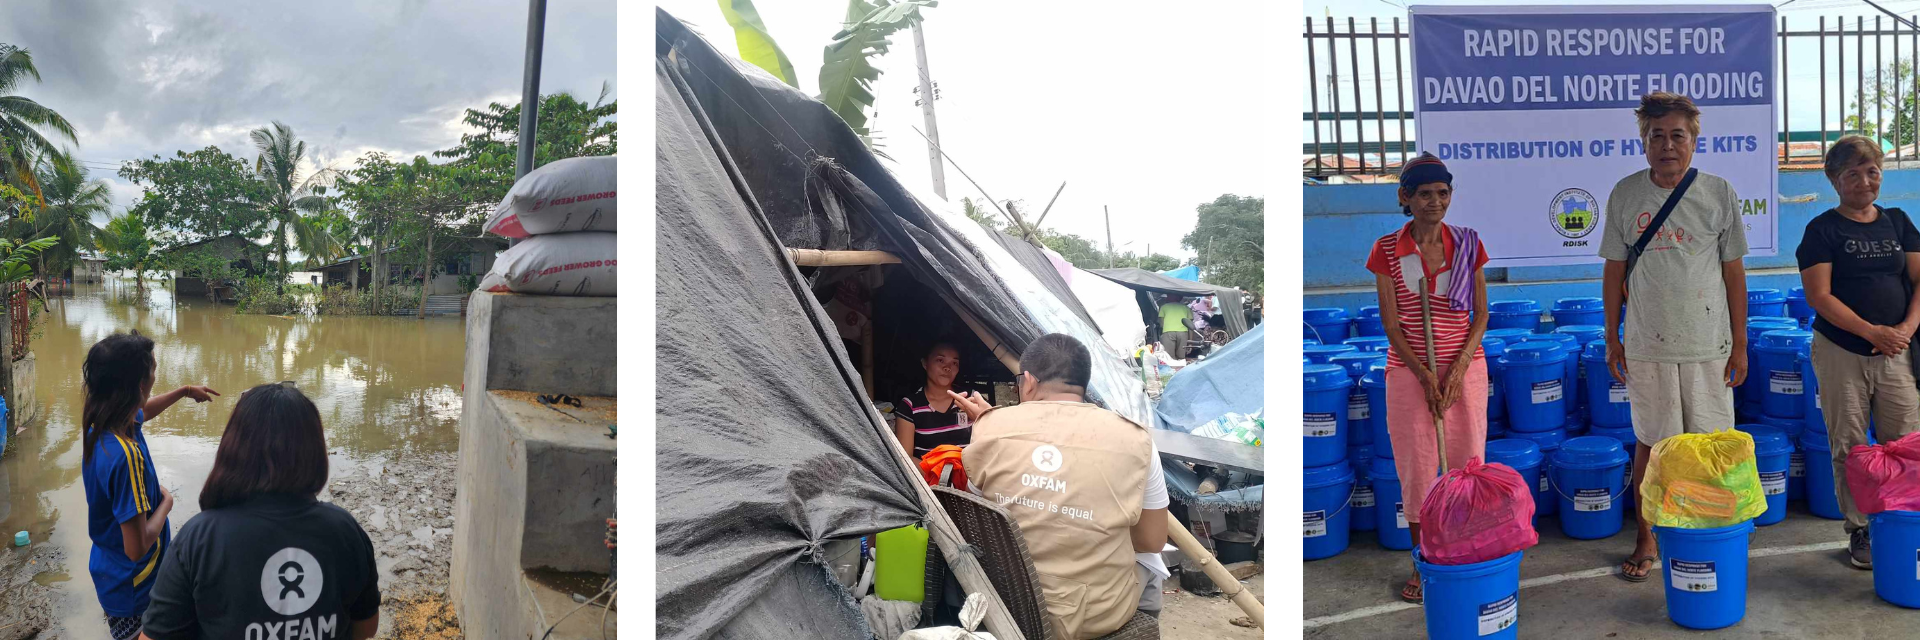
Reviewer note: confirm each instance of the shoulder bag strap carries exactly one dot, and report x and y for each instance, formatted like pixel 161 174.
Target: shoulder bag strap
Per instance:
pixel 1653 228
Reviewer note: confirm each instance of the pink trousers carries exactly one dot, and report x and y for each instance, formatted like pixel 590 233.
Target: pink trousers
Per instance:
pixel 1410 425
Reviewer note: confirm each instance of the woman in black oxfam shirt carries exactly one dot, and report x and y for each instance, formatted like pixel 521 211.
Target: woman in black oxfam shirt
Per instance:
pixel 264 559
pixel 1859 263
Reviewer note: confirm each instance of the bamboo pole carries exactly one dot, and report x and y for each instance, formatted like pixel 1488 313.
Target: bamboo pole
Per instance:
pixel 1006 356
pixel 1189 545
pixel 823 258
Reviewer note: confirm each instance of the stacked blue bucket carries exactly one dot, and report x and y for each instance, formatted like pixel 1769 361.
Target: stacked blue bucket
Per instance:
pixel 1328 325
pixel 1773 453
pixel 1797 307
pixel 1750 391
pixel 1569 347
pixel 1329 478
pixel 1495 348
pixel 1589 477
pixel 1514 314
pixel 1368 324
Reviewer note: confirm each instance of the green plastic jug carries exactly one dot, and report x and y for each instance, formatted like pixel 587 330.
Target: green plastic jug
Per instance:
pixel 900 564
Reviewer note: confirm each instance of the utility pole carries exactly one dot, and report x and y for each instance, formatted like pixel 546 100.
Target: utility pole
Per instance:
pixel 530 91
pixel 1109 219
pixel 927 97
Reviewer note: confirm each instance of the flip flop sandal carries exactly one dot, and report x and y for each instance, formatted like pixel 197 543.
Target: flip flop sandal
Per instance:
pixel 1411 592
pixel 1637 561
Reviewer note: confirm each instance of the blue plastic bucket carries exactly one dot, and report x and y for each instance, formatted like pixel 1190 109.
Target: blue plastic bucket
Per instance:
pixel 1510 336
pixel 1370 344
pixel 1896 547
pixel 1389 514
pixel 1623 434
pixel 1311 341
pixel 1537 385
pixel 1544 501
pixel 1368 324
pixel 1796 458
pixel 1579 311
pixel 1766 303
pixel 1706 574
pixel 1514 314
pixel 1813 415
pixel 1375 382
pixel 1607 406
pixel 1570 368
pixel 1325 414
pixel 1779 370
pixel 1360 458
pixel 1478 600
pixel 1496 429
pixel 1797 307
pixel 1748 396
pixel 1584 332
pixel 1589 478
pixel 1324 353
pixel 1496 402
pixel 1329 325
pixel 1359 410
pixel 1521 454
pixel 1819 480
pixel 1773 453
pixel 1329 493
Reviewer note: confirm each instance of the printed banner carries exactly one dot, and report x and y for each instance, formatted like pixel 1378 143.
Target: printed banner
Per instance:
pixel 1532 110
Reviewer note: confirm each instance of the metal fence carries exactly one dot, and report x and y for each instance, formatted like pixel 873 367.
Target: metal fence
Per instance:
pixel 1350 116
pixel 22 322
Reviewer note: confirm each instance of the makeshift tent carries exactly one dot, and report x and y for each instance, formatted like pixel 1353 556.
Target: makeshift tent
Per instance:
pixel 1232 380
pixel 768 445
pixel 1035 261
pixel 1113 307
pixel 1144 282
pixel 1189 273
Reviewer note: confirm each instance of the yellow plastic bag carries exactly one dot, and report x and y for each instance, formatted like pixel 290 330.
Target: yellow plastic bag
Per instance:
pixel 1702 481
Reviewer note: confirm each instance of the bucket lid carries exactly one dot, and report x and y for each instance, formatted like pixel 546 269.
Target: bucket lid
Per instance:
pixel 1785 340
pixel 1590 452
pixel 1585 332
pixel 1579 304
pixel 1514 452
pixel 1322 377
pixel 1383 469
pixel 1765 296
pixel 1361 454
pixel 1547 440
pixel 1325 315
pixel 1596 351
pixel 1757 327
pixel 1312 341
pixel 1567 342
pixel 1510 335
pixel 1375 344
pixel 1768 440
pixel 1327 476
pixel 1534 352
pixel 1514 306
pixel 1494 347
pixel 1376 377
pixel 1370 311
pixel 1356 364
pixel 1324 352
pixel 1789 425
pixel 1797 293
pixel 1810 439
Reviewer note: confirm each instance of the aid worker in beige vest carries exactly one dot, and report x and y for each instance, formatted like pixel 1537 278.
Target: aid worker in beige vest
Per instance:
pixel 1080 480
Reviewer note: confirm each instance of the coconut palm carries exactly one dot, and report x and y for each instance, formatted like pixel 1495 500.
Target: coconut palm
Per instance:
pixel 72 201
pixel 288 196
pixel 22 146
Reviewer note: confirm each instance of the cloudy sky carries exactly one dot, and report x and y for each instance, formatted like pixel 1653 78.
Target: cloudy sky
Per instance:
pixel 1150 113
pixel 144 77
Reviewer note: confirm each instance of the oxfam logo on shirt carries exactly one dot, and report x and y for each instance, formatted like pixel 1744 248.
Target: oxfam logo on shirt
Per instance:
pixel 290 581
pixel 1572 213
pixel 1047 458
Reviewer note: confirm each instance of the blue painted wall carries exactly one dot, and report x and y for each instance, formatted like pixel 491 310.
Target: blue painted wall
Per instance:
pixel 1342 221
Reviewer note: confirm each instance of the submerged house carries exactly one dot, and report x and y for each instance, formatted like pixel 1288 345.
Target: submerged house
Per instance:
pixel 239 252
pixel 463 257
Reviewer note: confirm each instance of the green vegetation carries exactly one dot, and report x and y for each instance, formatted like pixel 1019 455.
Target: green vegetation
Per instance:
pixel 846 70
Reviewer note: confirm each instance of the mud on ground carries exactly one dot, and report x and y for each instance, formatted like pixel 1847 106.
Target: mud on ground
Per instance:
pixel 405 503
pixel 29 606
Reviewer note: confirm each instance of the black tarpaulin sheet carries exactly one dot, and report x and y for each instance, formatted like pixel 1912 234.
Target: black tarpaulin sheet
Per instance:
pixel 766 446
pixel 1041 267
pixel 1231 302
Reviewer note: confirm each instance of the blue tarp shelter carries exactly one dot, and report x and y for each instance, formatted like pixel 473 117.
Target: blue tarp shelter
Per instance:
pixel 1190 273
pixel 1230 381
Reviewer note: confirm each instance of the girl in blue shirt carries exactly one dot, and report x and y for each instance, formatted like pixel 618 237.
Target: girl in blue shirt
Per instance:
pixel 126 506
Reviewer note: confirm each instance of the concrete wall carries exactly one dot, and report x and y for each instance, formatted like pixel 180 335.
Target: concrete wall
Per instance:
pixel 558 344
pixel 1340 223
pixel 24 390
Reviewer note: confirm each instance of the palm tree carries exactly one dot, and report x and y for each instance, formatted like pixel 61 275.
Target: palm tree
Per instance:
pixel 72 201
pixel 288 196
pixel 21 144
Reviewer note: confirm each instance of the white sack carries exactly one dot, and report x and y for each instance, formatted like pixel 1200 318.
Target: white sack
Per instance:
pixel 563 264
pixel 575 194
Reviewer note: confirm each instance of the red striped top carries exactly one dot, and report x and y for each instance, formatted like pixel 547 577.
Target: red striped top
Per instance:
pixel 1392 255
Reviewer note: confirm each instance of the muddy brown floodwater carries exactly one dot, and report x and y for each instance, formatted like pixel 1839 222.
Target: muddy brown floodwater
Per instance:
pixel 388 390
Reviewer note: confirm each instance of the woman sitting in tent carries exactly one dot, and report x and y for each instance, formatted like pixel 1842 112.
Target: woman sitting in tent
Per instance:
pixel 929 417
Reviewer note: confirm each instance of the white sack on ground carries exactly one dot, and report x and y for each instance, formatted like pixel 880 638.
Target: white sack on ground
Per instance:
pixel 575 194
pixel 562 264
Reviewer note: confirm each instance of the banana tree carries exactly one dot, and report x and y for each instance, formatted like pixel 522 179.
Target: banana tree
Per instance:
pixel 846 70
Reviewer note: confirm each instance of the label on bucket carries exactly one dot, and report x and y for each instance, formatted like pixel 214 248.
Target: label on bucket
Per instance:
pixel 1816 402
pixel 1592 500
pixel 1500 614
pixel 1357 408
pixel 1322 425
pixel 1544 487
pixel 1916 565
pixel 1316 524
pixel 1797 465
pixel 1774 482
pixel 1546 391
pixel 1785 382
pixel 1617 392
pixel 1400 515
pixel 1696 577
pixel 1362 497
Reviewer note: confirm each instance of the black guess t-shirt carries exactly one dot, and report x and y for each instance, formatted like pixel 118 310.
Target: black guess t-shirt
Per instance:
pixel 276 566
pixel 1869 268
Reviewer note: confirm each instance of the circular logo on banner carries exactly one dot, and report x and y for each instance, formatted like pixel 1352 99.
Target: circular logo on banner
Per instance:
pixel 1572 213
pixel 290 581
pixel 1047 458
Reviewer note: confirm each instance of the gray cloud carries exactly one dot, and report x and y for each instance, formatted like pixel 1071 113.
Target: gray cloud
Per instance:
pixel 139 78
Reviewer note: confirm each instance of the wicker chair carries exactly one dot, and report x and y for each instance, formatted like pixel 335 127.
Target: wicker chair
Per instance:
pixel 1002 552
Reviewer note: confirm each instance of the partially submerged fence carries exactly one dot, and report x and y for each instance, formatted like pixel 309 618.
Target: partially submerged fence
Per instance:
pixel 17 314
pixel 1351 115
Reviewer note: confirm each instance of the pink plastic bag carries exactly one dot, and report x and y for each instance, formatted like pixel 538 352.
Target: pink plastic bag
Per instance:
pixel 1477 513
pixel 1885 477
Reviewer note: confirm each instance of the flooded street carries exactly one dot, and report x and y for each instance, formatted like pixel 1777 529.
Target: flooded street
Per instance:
pixel 388 389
